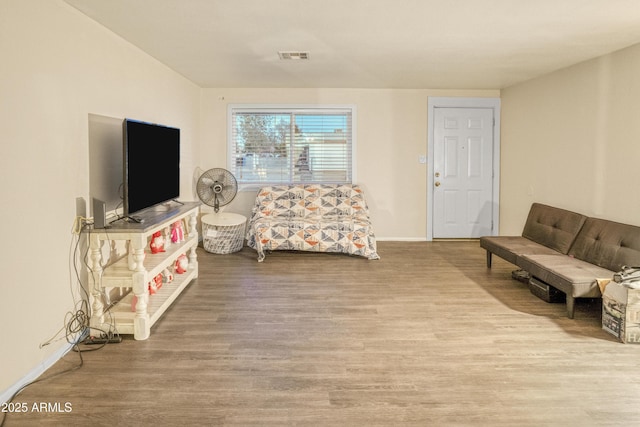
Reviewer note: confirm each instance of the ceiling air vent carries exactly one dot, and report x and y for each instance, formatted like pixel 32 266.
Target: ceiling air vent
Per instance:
pixel 286 55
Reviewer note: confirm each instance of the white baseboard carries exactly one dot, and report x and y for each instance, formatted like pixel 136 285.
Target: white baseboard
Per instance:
pixel 36 372
pixel 401 239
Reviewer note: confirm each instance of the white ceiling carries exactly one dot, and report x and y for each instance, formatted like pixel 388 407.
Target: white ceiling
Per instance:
pixel 446 44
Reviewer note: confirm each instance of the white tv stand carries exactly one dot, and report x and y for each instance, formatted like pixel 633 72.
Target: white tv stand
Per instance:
pixel 147 266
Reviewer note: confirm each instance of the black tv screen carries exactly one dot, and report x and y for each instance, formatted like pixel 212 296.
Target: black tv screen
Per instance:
pixel 151 165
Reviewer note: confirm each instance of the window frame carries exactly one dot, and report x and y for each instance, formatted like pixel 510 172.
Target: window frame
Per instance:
pixel 285 108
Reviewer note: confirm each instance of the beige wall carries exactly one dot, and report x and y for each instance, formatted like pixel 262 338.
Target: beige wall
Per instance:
pixel 58 67
pixel 571 139
pixel 391 133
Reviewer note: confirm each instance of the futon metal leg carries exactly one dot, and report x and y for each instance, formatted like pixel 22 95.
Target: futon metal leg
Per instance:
pixel 570 306
pixel 489 259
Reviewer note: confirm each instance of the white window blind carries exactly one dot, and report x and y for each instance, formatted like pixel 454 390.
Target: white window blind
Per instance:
pixel 277 145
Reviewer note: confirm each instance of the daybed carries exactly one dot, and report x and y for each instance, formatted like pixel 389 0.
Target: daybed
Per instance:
pixel 568 251
pixel 312 217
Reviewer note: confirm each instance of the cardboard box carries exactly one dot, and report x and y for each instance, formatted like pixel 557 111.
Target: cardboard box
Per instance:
pixel 621 312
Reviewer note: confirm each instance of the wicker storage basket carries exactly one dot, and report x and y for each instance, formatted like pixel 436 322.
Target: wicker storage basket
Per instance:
pixel 223 233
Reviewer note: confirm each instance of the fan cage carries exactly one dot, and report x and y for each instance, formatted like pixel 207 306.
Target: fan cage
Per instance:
pixel 217 197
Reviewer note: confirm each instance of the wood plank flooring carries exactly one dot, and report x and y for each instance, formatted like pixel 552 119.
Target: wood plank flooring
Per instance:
pixel 426 336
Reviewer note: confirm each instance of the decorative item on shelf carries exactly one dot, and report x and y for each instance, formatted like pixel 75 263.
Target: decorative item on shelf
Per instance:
pixel 167 276
pixel 155 284
pixel 157 243
pixel 131 262
pixel 181 265
pixel 177 233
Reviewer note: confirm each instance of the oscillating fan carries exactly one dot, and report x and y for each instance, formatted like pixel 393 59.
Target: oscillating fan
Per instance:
pixel 217 187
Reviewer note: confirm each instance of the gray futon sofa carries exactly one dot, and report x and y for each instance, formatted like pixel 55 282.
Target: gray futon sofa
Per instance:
pixel 568 251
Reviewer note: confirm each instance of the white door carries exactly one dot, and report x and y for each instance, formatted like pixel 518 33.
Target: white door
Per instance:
pixel 463 172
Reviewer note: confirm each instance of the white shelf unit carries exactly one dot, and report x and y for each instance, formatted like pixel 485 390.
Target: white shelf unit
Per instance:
pixel 117 274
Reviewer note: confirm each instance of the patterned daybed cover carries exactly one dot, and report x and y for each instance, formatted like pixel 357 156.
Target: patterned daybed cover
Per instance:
pixel 312 217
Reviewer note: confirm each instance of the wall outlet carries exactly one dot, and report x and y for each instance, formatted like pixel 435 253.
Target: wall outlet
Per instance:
pixel 422 159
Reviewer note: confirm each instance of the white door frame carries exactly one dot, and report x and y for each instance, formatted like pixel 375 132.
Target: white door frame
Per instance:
pixel 456 102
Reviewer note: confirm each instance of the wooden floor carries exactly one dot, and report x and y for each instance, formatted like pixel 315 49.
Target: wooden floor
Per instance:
pixel 426 336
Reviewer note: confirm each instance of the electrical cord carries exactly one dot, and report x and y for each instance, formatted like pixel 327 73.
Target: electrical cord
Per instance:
pixel 120 205
pixel 77 322
pixel 107 304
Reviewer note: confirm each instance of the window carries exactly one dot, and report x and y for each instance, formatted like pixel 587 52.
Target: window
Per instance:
pixel 291 145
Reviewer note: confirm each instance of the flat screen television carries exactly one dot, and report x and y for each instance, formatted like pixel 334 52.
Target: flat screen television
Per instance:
pixel 151 163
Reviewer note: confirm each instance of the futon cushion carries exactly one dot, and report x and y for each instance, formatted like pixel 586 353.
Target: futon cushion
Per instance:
pixel 510 247
pixel 572 276
pixel 608 244
pixel 553 227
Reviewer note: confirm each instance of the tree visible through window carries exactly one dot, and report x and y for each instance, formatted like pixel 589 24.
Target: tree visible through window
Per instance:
pixel 291 145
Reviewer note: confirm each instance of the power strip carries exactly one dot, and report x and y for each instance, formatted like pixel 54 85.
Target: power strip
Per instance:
pixel 79 223
pixel 99 340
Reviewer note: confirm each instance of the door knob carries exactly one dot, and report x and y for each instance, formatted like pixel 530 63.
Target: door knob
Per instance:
pixel 437 184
